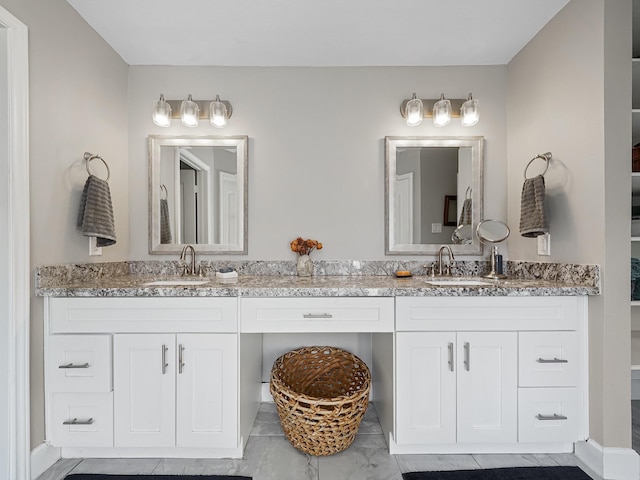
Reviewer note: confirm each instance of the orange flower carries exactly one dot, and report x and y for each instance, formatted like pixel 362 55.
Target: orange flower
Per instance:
pixel 305 247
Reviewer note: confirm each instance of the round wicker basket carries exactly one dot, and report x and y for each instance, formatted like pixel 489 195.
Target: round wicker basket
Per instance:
pixel 321 394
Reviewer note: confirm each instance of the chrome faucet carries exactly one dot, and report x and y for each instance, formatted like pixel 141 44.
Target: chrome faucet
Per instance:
pixel 446 270
pixel 189 269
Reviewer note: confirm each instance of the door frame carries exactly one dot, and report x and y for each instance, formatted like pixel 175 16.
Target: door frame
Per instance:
pixel 18 276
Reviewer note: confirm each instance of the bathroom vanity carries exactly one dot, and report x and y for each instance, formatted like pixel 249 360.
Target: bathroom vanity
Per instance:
pixel 175 371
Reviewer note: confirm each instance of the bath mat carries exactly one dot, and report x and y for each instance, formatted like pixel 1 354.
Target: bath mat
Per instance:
pixel 517 473
pixel 106 476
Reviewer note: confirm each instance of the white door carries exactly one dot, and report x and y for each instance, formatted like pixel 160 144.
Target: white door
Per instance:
pixel 403 202
pixel 487 387
pixel 206 414
pixel 189 202
pixel 426 383
pixel 228 209
pixel 144 390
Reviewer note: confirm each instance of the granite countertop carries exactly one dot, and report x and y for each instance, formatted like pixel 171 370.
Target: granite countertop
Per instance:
pixel 131 285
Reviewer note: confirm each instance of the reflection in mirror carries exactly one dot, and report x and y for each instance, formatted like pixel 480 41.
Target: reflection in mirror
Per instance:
pixel 433 194
pixel 198 194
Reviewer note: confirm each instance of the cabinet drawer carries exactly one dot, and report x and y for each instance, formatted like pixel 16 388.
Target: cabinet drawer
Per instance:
pixel 139 315
pixel 79 363
pixel 362 314
pixel 487 313
pixel 548 359
pixel 82 419
pixel 549 415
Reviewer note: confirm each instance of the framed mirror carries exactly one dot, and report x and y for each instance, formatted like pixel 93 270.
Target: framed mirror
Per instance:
pixel 424 177
pixel 198 194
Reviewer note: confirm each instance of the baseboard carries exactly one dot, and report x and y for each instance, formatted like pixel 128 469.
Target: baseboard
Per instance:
pixel 265 394
pixel 43 457
pixel 607 462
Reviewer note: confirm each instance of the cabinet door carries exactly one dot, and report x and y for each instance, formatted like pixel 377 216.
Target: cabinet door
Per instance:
pixel 144 390
pixel 207 389
pixel 426 387
pixel 487 387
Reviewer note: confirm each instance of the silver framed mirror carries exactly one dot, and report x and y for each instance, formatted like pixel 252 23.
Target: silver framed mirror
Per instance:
pixel 198 194
pixel 434 192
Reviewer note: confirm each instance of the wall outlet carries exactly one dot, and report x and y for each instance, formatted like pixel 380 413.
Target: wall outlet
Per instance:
pixel 544 244
pixel 436 228
pixel 93 249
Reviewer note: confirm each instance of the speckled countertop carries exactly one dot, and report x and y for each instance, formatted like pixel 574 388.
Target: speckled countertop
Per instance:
pixel 117 280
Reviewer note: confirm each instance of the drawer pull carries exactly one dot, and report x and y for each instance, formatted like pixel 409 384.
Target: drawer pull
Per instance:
pixel 164 359
pixel 555 416
pixel 555 360
pixel 467 357
pixel 75 421
pixel 450 347
pixel 317 315
pixel 180 358
pixel 71 365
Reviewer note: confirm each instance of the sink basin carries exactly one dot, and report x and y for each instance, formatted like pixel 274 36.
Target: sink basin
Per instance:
pixel 460 282
pixel 175 283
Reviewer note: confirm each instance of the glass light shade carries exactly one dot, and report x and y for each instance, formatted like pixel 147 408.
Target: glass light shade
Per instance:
pixel 218 113
pixel 161 112
pixel 469 112
pixel 189 112
pixel 441 112
pixel 414 111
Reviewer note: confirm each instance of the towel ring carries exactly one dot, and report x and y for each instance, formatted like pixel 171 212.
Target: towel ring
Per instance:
pixel 163 188
pixel 544 156
pixel 90 156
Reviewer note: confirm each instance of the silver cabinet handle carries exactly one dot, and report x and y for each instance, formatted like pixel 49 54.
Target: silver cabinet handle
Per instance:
pixel 555 360
pixel 75 421
pixel 467 357
pixel 317 315
pixel 555 416
pixel 180 358
pixel 71 365
pixel 164 359
pixel 450 347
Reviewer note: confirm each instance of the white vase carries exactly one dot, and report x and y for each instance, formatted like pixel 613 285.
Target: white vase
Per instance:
pixel 304 266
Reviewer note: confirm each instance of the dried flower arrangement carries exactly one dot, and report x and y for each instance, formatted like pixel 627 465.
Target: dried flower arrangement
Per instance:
pixel 305 247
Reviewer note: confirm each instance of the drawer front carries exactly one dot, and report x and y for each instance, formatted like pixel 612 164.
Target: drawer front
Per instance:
pixel 362 314
pixel 79 363
pixel 548 359
pixel 139 315
pixel 488 313
pixel 549 415
pixel 82 419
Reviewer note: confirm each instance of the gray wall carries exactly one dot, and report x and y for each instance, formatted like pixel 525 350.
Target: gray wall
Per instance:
pixel 78 103
pixel 569 92
pixel 316 145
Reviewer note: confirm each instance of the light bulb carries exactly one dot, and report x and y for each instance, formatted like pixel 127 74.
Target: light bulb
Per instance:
pixel 414 111
pixel 218 113
pixel 189 112
pixel 442 112
pixel 469 112
pixel 161 112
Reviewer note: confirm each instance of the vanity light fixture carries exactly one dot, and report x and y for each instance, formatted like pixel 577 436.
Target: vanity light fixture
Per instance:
pixel 440 110
pixel 161 112
pixel 191 111
pixel 415 111
pixel 469 112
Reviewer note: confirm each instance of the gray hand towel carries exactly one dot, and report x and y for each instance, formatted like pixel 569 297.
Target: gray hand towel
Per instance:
pixel 465 213
pixel 533 213
pixel 95 218
pixel 165 224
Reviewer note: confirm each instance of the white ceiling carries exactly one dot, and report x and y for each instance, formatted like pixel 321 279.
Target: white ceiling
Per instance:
pixel 317 32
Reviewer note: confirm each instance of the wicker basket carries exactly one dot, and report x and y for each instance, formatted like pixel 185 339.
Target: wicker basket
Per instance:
pixel 321 394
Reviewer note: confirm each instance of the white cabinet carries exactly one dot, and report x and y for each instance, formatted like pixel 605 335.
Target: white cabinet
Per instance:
pixel 175 390
pixel 456 387
pixel 472 372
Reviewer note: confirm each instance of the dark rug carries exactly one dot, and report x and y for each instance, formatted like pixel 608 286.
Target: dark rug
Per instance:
pixel 517 473
pixel 104 476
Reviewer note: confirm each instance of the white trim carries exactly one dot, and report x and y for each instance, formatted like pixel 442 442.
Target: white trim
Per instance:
pixel 43 457
pixel 607 462
pixel 20 287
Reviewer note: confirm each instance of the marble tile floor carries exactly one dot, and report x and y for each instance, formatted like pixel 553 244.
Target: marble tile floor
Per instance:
pixel 269 456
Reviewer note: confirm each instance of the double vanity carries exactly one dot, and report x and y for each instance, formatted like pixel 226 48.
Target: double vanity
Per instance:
pixel 140 369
